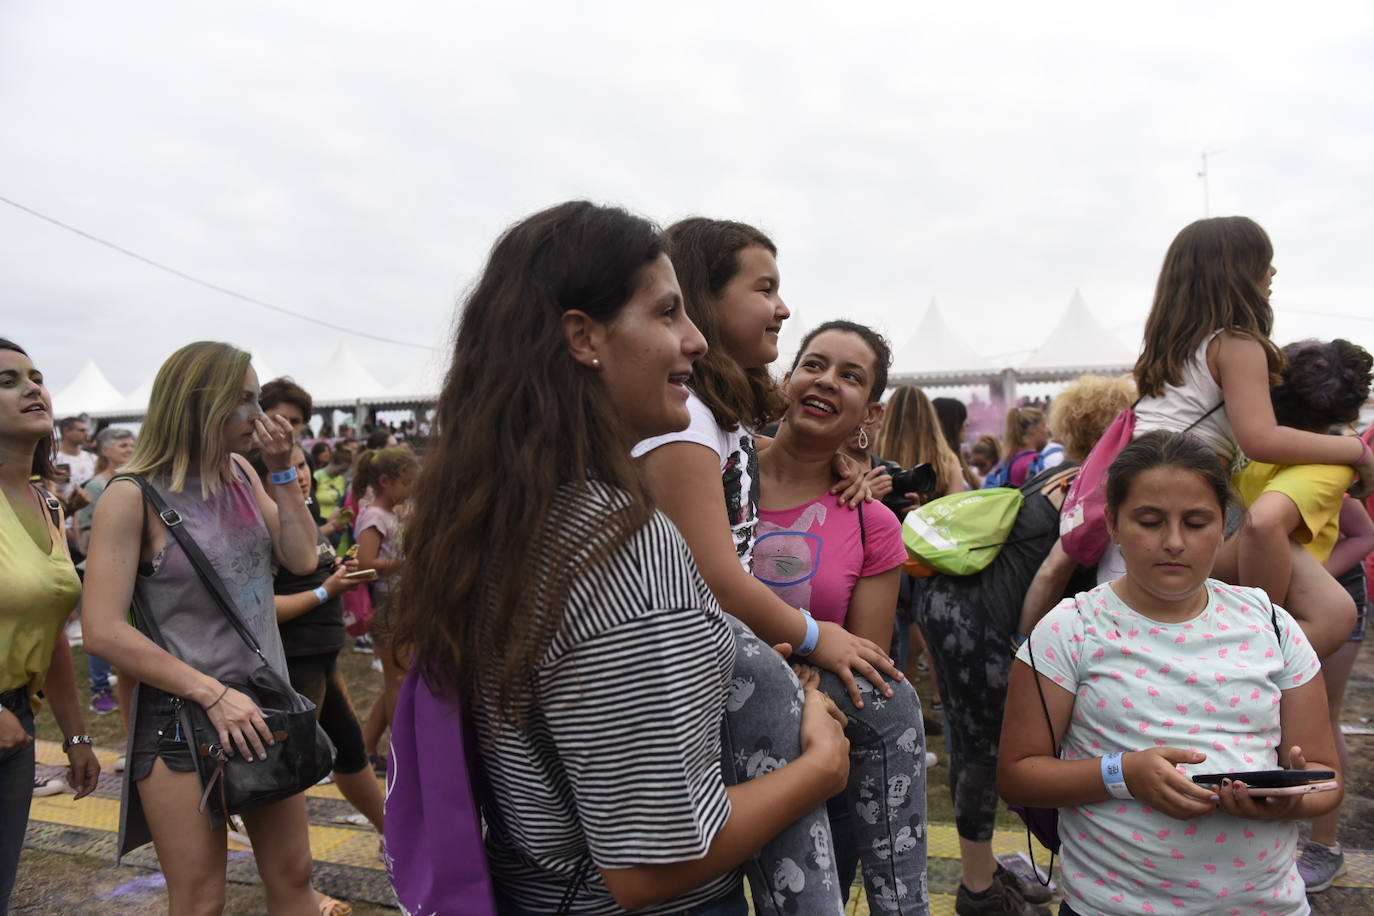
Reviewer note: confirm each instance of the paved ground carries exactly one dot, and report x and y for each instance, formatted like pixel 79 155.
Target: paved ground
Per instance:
pixel 68 860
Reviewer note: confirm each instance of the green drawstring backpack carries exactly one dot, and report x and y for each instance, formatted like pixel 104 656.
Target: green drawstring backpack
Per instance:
pixel 962 533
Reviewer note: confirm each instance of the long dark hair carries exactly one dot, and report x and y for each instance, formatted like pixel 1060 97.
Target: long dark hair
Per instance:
pixel 44 449
pixel 519 424
pixel 706 257
pixel 1213 277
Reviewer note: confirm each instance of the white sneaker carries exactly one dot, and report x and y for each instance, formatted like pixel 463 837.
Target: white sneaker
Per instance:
pixel 931 759
pixel 119 763
pixel 42 788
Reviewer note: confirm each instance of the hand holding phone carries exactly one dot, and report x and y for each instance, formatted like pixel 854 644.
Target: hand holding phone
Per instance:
pixel 1267 779
pixel 361 575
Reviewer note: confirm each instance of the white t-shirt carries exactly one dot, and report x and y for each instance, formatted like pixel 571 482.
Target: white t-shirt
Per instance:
pixel 82 466
pixel 739 470
pixel 1211 684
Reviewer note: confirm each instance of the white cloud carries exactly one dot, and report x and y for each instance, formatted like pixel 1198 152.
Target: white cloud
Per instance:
pixel 355 162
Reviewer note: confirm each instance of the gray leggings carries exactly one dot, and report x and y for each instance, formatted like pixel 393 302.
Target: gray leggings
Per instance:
pixel 795 873
pixel 16 794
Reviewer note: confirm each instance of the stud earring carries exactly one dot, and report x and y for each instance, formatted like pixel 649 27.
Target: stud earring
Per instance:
pixel 596 363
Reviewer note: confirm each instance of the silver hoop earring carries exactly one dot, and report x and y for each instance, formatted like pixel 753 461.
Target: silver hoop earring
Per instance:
pixel 863 438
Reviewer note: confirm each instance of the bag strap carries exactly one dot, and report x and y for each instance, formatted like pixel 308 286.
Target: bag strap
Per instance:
pixel 1054 743
pixel 1190 426
pixel 208 577
pixel 863 530
pixel 54 505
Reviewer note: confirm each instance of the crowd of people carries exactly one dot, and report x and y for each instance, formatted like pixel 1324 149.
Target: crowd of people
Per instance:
pixel 665 581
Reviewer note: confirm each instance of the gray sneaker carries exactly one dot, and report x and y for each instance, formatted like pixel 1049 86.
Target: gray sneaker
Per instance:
pixel 1000 900
pixel 1033 891
pixel 1319 866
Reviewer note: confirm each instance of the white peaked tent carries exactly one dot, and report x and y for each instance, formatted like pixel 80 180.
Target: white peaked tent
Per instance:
pixel 424 381
pixel 89 392
pixel 934 348
pixel 265 372
pixel 136 401
pixel 343 380
pixel 1079 342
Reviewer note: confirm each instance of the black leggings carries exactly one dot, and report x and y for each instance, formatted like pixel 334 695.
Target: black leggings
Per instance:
pixel 317 678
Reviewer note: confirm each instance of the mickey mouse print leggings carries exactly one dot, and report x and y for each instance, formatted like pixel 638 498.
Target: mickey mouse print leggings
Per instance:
pixel 795 874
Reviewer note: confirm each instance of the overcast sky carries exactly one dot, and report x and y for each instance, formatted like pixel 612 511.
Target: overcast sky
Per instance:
pixel 354 161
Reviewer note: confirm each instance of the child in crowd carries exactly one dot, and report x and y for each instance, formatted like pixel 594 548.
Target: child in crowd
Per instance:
pixel 390 474
pixel 1026 434
pixel 1324 384
pixel 1206 367
pixel 843 566
pixel 1125 692
pixel 970 621
pixel 984 455
pixel 706 479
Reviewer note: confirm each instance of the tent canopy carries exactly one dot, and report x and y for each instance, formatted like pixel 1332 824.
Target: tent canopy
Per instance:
pixel 1079 341
pixel 934 348
pixel 89 392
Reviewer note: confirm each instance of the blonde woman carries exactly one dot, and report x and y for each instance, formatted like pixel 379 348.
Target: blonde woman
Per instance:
pixel 203 409
pixel 912 434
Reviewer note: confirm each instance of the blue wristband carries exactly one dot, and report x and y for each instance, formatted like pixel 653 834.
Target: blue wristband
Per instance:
pixel 283 477
pixel 1114 776
pixel 322 593
pixel 813 634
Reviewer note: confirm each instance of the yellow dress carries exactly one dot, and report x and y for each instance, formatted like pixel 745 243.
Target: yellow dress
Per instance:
pixel 1316 489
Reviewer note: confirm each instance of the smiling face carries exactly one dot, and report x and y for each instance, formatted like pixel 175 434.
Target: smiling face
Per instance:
pixel 751 310
pixel 238 428
pixel 25 407
pixel 1169 528
pixel 646 354
pixel 830 390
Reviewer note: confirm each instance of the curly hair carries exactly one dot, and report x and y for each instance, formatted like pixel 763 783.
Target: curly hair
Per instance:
pixel 1081 413
pixel 1324 384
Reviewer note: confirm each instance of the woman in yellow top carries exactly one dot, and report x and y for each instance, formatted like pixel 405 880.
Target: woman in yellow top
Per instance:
pixel 41 588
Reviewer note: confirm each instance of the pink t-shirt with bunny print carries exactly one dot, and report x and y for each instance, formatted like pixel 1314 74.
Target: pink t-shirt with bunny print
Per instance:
pixel 1211 684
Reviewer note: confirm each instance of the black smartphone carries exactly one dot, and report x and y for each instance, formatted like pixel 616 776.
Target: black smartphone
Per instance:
pixel 1267 779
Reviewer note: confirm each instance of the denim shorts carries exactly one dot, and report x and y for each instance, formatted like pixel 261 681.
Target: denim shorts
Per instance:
pixel 158 735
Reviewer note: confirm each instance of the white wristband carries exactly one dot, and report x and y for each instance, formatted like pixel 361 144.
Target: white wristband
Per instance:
pixel 1114 776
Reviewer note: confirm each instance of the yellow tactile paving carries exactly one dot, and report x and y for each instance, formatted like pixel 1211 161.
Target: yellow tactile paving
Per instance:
pixel 359 848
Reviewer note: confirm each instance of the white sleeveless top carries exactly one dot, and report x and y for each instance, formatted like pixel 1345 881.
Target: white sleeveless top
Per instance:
pixel 1179 406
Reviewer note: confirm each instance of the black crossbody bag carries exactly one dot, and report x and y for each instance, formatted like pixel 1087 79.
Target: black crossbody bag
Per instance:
pixel 302 754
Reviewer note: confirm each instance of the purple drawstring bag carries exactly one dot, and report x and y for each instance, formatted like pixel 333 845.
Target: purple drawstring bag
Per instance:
pixel 434 851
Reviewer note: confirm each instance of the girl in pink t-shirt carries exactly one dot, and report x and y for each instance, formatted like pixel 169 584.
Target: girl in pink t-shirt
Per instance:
pixel 841 565
pixel 1159 676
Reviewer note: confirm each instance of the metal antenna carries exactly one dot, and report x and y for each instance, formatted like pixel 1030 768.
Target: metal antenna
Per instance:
pixel 1206 190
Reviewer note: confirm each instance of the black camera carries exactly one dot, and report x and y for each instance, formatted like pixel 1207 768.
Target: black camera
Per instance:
pixel 920 480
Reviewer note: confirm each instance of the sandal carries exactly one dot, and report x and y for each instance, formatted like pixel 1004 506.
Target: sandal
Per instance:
pixel 331 907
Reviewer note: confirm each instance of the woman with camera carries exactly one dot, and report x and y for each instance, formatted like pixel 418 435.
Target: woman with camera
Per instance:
pixel 202 410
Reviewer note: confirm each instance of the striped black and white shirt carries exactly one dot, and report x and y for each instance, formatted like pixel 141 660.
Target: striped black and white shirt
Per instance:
pixel 621 754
